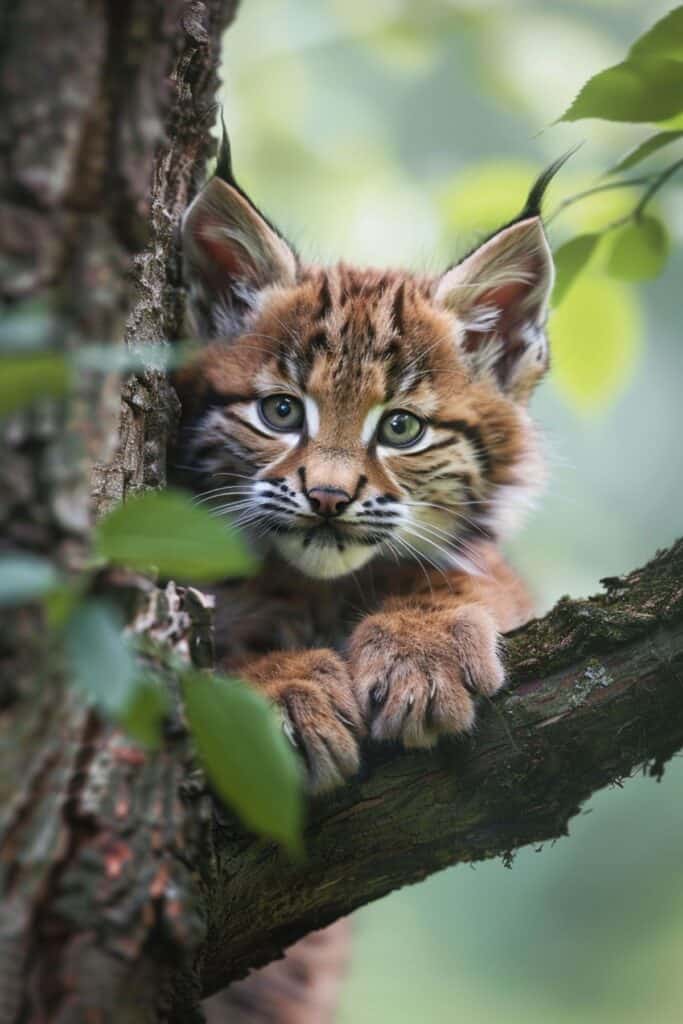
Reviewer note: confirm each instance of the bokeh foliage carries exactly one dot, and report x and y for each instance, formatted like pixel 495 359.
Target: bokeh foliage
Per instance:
pixel 395 132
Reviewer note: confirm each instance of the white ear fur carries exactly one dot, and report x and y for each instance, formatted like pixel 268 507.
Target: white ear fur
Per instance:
pixel 230 253
pixel 500 295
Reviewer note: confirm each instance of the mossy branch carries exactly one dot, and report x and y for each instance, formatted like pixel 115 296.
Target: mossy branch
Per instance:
pixel 596 693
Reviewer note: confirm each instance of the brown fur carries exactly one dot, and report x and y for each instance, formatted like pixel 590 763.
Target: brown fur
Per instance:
pixel 414 643
pixel 382 596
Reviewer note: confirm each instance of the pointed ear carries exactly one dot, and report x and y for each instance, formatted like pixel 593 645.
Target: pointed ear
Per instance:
pixel 230 254
pixel 500 295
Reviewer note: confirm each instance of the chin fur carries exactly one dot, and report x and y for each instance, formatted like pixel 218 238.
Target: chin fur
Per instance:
pixel 322 561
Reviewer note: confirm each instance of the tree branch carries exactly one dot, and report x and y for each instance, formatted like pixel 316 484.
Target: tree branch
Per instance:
pixel 596 693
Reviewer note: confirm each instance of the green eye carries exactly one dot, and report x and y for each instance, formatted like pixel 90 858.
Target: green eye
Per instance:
pixel 282 412
pixel 400 429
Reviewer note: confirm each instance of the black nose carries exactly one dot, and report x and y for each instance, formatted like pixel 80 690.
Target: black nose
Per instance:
pixel 328 501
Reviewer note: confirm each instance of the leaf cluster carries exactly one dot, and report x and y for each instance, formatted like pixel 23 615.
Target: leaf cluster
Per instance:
pixel 237 735
pixel 647 87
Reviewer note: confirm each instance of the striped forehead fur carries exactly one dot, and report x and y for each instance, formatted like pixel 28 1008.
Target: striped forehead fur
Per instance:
pixel 352 319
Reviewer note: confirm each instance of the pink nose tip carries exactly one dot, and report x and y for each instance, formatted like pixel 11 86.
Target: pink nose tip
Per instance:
pixel 328 501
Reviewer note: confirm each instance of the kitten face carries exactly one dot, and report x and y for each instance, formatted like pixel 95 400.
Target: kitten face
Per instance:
pixel 348 413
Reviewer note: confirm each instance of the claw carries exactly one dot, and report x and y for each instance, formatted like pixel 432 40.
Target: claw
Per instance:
pixel 345 720
pixel 288 728
pixel 468 681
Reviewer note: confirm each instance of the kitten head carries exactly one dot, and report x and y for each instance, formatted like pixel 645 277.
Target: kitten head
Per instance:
pixel 343 413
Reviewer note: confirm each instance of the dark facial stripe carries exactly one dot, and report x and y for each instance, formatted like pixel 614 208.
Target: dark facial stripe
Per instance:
pixel 438 466
pixel 280 498
pixel 248 426
pixel 391 356
pixel 212 397
pixel 324 299
pixel 362 480
pixel 397 308
pixel 384 512
pixel 433 447
pixel 473 435
pixel 272 506
pixel 318 342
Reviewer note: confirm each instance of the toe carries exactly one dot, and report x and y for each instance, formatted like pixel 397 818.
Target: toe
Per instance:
pixel 452 708
pixel 324 732
pixel 402 711
pixel 478 651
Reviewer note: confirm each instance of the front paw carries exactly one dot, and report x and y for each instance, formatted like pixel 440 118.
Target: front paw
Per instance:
pixel 417 676
pixel 320 714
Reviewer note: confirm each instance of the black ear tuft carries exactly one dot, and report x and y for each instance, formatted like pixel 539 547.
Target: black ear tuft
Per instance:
pixel 224 169
pixel 534 201
pixel 225 172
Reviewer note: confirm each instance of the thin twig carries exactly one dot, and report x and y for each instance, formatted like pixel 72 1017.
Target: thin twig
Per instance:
pixel 660 180
pixel 607 187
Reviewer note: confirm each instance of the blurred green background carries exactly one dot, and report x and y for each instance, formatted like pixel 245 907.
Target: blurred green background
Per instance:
pixel 399 132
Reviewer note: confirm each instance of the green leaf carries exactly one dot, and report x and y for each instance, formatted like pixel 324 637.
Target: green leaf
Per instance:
pixel 166 531
pixel 639 89
pixel 595 338
pixel 61 602
pixel 143 714
pixel 569 260
pixel 639 250
pixel 664 39
pixel 644 150
pixel 246 755
pixel 24 578
pixel 101 660
pixel 672 124
pixel 23 378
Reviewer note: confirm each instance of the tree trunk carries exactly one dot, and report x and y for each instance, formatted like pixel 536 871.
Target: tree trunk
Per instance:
pixel 126 894
pixel 107 108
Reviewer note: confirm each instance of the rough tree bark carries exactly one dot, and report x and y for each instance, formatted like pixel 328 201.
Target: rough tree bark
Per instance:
pixel 107 107
pixel 126 895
